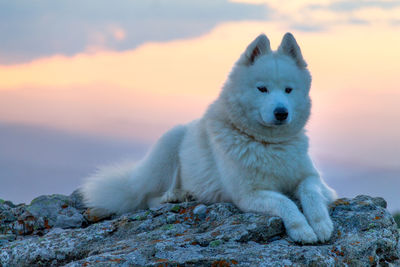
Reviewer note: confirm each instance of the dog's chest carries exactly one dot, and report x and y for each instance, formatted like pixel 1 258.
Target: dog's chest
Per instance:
pixel 271 166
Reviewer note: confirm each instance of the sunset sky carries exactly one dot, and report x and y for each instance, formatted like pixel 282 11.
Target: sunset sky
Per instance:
pixel 87 83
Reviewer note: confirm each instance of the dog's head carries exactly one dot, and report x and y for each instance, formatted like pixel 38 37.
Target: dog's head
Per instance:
pixel 267 92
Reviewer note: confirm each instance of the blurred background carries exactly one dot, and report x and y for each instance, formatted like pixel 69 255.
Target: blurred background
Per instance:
pixel 87 83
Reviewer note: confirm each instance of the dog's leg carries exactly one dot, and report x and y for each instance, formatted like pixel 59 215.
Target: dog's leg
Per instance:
pixel 175 193
pixel 277 204
pixel 314 200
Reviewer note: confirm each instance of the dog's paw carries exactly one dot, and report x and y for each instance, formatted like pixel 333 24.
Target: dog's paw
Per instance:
pixel 302 233
pixel 323 228
pixel 170 197
pixel 175 196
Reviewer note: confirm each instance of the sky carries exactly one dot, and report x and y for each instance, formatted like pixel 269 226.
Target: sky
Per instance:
pixel 94 82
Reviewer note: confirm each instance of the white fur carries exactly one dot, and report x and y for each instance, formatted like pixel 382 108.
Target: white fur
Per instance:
pixel 236 152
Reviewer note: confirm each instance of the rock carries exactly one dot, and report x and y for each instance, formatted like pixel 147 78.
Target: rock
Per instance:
pixel 44 213
pixel 58 211
pixel 195 234
pixel 200 211
pixel 7 238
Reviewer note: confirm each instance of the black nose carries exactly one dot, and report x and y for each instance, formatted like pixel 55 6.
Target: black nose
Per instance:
pixel 281 114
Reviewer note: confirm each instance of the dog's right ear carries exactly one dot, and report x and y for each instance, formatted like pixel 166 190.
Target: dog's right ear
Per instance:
pixel 260 46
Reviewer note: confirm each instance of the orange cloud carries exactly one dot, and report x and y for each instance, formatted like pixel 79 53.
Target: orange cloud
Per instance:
pixel 200 65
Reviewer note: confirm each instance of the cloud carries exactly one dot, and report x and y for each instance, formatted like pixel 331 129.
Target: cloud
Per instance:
pixel 347 6
pixel 33 29
pixel 325 15
pixel 353 12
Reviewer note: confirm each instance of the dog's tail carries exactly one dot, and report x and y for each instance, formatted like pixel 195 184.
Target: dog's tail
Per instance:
pixel 126 187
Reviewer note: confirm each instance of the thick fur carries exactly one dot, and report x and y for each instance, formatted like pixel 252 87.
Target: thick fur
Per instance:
pixel 237 152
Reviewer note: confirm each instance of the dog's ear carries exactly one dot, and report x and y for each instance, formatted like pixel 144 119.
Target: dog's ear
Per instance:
pixel 260 46
pixel 290 47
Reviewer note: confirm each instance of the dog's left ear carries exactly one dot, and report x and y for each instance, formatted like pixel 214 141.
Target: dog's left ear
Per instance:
pixel 290 47
pixel 260 46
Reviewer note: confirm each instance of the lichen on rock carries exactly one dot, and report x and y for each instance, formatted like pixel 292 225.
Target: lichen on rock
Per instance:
pixel 53 231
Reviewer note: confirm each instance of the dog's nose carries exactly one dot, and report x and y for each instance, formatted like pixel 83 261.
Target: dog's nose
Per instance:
pixel 281 114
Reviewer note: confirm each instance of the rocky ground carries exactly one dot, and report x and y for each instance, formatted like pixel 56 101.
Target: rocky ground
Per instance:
pixel 58 230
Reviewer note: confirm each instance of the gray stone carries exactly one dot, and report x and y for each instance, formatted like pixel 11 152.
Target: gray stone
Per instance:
pixel 76 200
pixel 41 215
pixel 49 207
pixel 7 238
pixel 193 234
pixel 72 221
pixel 200 210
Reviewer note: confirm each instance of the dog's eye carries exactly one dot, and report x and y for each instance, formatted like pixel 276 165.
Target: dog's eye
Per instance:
pixel 288 90
pixel 262 89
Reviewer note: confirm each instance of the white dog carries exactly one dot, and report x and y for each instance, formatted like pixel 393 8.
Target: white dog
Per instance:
pixel 249 148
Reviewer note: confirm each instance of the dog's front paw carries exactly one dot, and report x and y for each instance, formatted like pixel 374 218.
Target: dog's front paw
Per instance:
pixel 302 233
pixel 323 227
